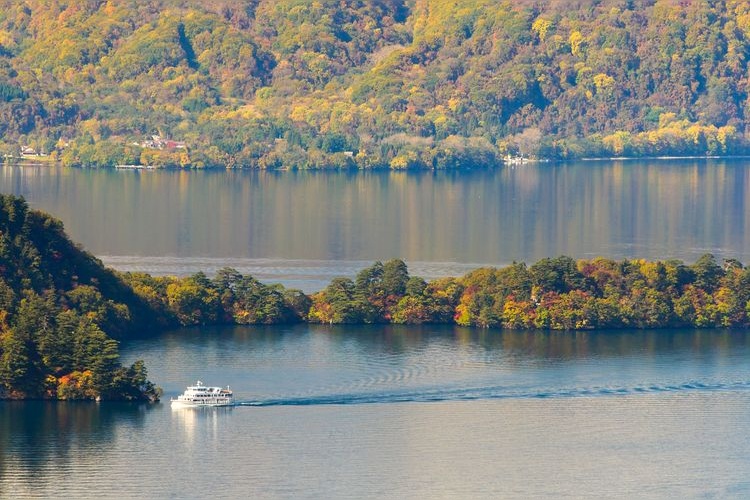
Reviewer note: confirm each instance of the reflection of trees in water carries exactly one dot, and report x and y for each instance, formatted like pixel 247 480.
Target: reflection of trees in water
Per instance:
pixel 603 344
pixel 522 345
pixel 644 209
pixel 542 345
pixel 36 435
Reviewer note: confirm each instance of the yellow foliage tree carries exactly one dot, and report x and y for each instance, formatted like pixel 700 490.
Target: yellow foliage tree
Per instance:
pixel 576 41
pixel 541 26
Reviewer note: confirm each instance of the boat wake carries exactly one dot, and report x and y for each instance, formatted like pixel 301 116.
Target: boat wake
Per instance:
pixel 493 393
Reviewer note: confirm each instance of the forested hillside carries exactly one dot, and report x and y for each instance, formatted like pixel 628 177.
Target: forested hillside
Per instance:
pixel 399 83
pixel 59 311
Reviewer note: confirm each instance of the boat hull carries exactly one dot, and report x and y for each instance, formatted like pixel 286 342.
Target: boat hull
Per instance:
pixel 187 404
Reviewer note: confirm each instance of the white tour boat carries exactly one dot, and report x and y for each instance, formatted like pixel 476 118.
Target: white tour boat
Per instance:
pixel 201 395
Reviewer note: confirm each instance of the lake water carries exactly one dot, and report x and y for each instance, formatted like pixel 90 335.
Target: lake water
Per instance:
pixel 400 412
pixel 304 228
pixel 396 412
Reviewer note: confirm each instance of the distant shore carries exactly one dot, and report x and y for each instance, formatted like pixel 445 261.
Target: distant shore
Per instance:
pixel 49 160
pixel 660 158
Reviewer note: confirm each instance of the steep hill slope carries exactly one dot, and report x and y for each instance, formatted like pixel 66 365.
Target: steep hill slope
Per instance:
pixel 59 309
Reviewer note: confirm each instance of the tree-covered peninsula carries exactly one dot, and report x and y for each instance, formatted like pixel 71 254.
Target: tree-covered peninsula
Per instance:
pixel 392 83
pixel 61 311
pixel 551 294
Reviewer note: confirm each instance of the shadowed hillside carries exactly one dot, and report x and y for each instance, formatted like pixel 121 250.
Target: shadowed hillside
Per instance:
pixel 59 311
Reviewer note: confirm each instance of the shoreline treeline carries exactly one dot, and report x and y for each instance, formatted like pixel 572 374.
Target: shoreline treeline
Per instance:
pixel 552 294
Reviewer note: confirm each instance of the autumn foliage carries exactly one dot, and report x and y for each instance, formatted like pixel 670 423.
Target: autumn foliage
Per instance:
pixel 394 83
pixel 551 294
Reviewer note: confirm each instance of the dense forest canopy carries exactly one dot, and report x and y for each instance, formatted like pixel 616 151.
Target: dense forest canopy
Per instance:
pixel 551 294
pixel 399 83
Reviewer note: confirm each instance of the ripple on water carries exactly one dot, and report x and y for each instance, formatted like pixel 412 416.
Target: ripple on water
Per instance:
pixel 490 393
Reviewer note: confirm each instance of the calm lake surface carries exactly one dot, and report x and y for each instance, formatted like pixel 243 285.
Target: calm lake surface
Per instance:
pixel 304 228
pixel 396 412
